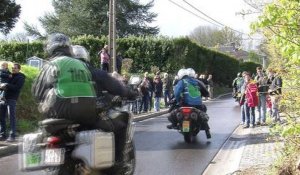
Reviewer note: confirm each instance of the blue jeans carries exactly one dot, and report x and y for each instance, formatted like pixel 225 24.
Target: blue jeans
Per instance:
pixel 156 104
pixel 145 100
pixel 243 114
pixel 8 108
pixel 167 97
pixel 250 115
pixel 261 108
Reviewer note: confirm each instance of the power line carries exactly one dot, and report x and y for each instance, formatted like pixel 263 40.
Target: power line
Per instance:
pixel 194 14
pixel 218 23
pixel 212 18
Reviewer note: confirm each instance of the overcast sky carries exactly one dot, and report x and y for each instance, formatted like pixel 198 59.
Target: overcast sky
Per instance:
pixel 172 20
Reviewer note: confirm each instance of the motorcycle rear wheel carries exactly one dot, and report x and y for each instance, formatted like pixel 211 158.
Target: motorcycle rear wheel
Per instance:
pixel 188 137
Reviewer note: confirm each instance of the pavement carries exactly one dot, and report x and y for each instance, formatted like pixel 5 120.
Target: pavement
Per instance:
pixel 246 152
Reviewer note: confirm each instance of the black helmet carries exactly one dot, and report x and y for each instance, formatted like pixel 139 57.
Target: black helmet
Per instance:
pixel 57 40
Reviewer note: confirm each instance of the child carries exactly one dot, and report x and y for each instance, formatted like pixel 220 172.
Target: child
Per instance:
pixel 5 74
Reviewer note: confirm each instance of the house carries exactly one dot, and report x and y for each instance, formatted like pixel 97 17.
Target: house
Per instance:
pixel 233 51
pixel 35 62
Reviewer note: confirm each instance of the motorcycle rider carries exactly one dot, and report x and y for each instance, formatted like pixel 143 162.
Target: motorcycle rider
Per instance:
pixel 237 84
pixel 184 98
pixel 68 88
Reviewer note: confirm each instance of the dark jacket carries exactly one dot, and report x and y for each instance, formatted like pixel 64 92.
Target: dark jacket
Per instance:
pixel 14 86
pixel 158 88
pixel 4 75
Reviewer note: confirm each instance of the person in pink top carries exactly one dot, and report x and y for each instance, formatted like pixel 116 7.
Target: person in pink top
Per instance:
pixel 104 58
pixel 251 99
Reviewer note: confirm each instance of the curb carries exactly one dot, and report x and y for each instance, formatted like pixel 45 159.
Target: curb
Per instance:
pixel 146 116
pixel 210 166
pixel 7 149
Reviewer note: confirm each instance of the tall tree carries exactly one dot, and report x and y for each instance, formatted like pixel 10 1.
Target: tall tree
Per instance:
pixel 9 14
pixel 210 36
pixel 77 17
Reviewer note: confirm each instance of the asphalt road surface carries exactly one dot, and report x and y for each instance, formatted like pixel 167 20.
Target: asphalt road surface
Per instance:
pixel 161 151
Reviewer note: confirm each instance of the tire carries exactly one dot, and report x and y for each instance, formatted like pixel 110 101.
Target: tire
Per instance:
pixel 187 137
pixel 70 167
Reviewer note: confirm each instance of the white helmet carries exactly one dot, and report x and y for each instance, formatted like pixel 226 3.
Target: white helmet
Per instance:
pixel 191 72
pixel 55 41
pixel 181 73
pixel 80 52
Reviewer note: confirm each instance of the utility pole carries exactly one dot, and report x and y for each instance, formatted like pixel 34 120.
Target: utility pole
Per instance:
pixel 112 35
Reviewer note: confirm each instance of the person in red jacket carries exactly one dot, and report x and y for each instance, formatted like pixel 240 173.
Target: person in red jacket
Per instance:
pixel 251 99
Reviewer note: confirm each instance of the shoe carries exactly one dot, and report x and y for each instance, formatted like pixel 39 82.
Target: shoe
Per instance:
pixel 242 123
pixel 10 139
pixel 208 135
pixel 257 123
pixel 246 126
pixel 2 138
pixel 252 126
pixel 171 126
pixel 263 124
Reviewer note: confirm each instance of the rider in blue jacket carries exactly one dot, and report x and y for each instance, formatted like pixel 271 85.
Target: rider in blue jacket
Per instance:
pixel 188 92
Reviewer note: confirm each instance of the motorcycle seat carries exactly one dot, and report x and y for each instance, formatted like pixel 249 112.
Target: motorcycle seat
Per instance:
pixel 52 121
pixel 54 125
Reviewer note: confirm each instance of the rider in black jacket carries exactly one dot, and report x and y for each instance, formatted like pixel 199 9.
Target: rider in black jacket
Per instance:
pixel 69 87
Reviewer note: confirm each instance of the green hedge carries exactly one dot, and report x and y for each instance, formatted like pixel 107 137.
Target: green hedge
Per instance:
pixel 169 54
pixel 249 66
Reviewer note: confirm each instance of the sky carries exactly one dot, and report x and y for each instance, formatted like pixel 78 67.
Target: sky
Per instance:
pixel 172 20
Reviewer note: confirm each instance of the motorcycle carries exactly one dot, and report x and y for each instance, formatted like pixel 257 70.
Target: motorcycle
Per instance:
pixel 190 121
pixel 62 147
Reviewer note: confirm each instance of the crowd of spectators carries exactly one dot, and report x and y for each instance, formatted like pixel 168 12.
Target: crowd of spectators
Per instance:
pixel 259 92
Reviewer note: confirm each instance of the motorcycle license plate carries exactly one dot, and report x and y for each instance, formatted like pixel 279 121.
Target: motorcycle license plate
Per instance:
pixel 32 160
pixel 186 126
pixel 54 156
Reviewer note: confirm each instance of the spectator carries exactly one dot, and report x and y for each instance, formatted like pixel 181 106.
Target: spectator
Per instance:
pixel 210 86
pixel 167 88
pixel 5 74
pixel 275 95
pixel 104 58
pixel 144 90
pixel 13 89
pixel 251 99
pixel 157 87
pixel 150 89
pixel 119 62
pixel 261 80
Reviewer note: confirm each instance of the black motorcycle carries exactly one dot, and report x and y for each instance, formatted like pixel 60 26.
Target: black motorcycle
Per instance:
pixel 190 120
pixel 62 147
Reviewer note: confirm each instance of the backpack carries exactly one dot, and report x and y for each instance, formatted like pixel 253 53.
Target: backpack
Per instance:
pixel 192 90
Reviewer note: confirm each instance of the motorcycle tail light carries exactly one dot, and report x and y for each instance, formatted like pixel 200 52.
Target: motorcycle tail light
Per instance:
pixel 186 110
pixel 53 141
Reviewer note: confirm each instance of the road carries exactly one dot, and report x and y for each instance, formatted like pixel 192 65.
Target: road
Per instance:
pixel 161 151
